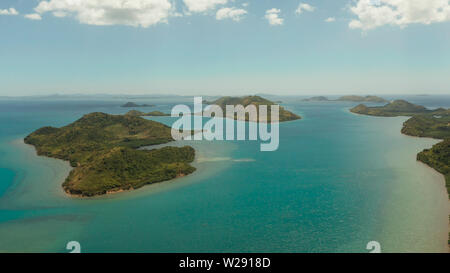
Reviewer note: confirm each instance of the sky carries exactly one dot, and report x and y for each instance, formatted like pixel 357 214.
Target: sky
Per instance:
pixel 218 47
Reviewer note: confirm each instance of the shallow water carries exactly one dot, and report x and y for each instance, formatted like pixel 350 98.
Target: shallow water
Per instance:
pixel 337 181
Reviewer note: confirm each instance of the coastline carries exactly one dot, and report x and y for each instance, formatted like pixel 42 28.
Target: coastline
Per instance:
pixel 147 195
pixel 37 181
pixel 117 191
pixel 55 188
pixel 440 178
pixel 66 193
pixel 57 173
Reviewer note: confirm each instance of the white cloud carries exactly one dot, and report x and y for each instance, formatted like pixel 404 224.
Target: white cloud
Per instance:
pixel 60 14
pixel 142 13
pixel 230 13
pixel 273 16
pixel 10 11
pixel 304 7
pixel 372 14
pixel 33 16
pixel 330 19
pixel 203 5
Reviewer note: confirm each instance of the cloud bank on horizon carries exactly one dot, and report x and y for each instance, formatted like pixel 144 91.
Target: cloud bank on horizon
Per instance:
pixel 362 14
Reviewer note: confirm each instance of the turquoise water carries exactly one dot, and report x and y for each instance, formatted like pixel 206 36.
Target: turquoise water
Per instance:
pixel 337 181
pixel 7 176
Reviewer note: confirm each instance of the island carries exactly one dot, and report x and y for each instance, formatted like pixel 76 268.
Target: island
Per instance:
pixel 317 98
pixel 103 151
pixel 150 114
pixel 393 109
pixel 352 98
pixel 363 99
pixel 284 115
pixel 435 124
pixel 132 105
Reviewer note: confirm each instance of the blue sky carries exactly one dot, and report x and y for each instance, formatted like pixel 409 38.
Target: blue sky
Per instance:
pixel 251 46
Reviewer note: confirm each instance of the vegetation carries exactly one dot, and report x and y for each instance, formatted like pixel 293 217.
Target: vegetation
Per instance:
pixel 363 99
pixel 393 109
pixel 284 115
pixel 150 114
pixel 101 148
pixel 438 158
pixel 132 104
pixel 434 125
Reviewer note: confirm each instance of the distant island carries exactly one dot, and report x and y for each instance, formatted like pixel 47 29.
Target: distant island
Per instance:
pixel 318 98
pixel 102 149
pixel 393 109
pixel 132 104
pixel 143 114
pixel 284 115
pixel 349 98
pixel 423 123
pixel 363 99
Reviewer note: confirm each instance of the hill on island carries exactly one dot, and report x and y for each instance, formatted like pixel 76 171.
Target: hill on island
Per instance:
pixel 102 150
pixel 363 99
pixel 132 104
pixel 284 115
pixel 393 109
pixel 349 98
pixel 149 114
pixel 435 124
pixel 317 98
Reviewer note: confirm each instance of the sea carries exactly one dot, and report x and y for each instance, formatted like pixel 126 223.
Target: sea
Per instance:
pixel 337 182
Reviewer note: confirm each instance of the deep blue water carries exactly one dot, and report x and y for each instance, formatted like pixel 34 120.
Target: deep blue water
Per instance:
pixel 336 182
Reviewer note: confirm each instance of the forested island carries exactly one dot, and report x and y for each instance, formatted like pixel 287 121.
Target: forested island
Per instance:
pixel 317 98
pixel 284 115
pixel 149 114
pixel 363 99
pixel 132 105
pixel 102 149
pixel 393 109
pixel 352 98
